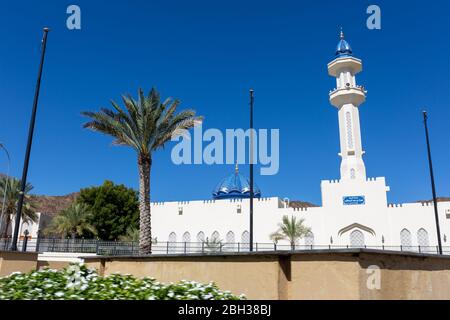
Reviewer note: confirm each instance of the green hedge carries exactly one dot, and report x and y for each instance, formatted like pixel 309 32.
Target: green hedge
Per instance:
pixel 77 282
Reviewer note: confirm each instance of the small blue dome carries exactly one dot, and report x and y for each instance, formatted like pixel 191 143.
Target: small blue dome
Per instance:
pixel 343 48
pixel 235 186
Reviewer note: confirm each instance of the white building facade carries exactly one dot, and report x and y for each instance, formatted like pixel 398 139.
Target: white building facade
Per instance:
pixel 354 211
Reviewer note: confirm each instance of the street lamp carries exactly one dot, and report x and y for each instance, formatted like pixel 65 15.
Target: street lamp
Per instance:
pixel 433 187
pixel 29 143
pixel 6 186
pixel 251 169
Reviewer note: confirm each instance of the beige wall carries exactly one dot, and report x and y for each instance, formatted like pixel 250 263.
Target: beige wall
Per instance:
pixel 238 274
pixel 308 275
pixel 17 261
pixel 52 264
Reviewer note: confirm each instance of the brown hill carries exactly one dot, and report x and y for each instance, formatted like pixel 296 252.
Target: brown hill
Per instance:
pixel 53 205
pixel 301 204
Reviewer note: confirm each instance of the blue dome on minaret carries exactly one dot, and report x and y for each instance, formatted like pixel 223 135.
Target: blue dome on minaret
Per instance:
pixel 235 186
pixel 343 48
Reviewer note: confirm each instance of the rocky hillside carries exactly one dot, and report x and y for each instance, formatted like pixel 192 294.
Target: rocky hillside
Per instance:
pixel 52 205
pixel 301 204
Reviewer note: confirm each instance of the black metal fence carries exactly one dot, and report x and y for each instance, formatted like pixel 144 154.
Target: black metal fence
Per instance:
pixel 101 247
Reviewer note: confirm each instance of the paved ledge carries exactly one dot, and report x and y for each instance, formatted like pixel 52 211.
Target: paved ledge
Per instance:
pixel 354 251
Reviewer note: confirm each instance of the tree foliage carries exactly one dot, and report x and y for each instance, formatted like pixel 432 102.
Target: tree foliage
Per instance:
pixel 10 191
pixel 114 209
pixel 77 282
pixel 73 221
pixel 145 124
pixel 290 229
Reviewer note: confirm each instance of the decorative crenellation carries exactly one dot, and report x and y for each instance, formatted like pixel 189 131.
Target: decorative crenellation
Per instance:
pixel 302 209
pixel 331 181
pixel 395 205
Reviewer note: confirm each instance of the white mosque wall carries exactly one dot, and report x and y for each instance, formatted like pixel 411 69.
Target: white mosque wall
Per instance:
pixel 375 220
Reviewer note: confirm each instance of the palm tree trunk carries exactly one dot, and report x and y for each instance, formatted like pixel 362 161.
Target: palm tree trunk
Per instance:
pixel 145 227
pixel 7 223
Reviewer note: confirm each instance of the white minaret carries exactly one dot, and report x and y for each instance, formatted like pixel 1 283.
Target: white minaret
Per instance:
pixel 347 97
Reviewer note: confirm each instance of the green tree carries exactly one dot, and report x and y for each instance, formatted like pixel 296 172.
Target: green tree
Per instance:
pixel 290 229
pixel 114 208
pixel 132 234
pixel 145 124
pixel 73 221
pixel 12 187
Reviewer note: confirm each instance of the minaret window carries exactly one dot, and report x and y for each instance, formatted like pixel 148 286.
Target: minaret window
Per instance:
pixel 352 173
pixel 348 121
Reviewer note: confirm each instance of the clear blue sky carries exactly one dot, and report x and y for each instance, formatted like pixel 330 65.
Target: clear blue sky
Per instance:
pixel 208 54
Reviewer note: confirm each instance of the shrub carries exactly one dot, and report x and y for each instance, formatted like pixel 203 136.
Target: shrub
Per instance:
pixel 77 282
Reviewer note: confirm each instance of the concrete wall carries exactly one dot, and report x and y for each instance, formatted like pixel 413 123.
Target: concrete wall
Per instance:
pixel 256 276
pixel 17 262
pixel 341 274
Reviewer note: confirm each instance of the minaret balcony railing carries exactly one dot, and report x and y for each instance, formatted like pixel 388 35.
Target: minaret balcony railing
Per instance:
pixel 349 94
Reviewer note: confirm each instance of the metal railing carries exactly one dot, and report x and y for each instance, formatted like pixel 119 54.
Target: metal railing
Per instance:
pixel 101 247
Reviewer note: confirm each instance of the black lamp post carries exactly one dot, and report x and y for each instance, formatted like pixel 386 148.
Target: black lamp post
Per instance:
pixel 29 143
pixel 433 188
pixel 251 170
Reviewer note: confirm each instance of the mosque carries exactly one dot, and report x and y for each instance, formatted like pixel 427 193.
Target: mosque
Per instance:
pixel 354 212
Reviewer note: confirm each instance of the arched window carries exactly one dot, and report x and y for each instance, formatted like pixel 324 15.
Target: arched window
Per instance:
pixel 422 239
pixel 187 241
pixel 230 241
pixel 406 239
pixel 357 239
pixel 200 240
pixel 200 236
pixel 245 240
pixel 352 173
pixel 309 239
pixel 348 120
pixel 172 242
pixel 215 236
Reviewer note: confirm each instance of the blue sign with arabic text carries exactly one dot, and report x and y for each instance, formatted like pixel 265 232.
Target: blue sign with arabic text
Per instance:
pixel 354 200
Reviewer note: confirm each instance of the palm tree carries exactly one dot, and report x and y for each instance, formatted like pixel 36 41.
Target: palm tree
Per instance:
pixel 12 187
pixel 73 221
pixel 213 244
pixel 146 125
pixel 290 229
